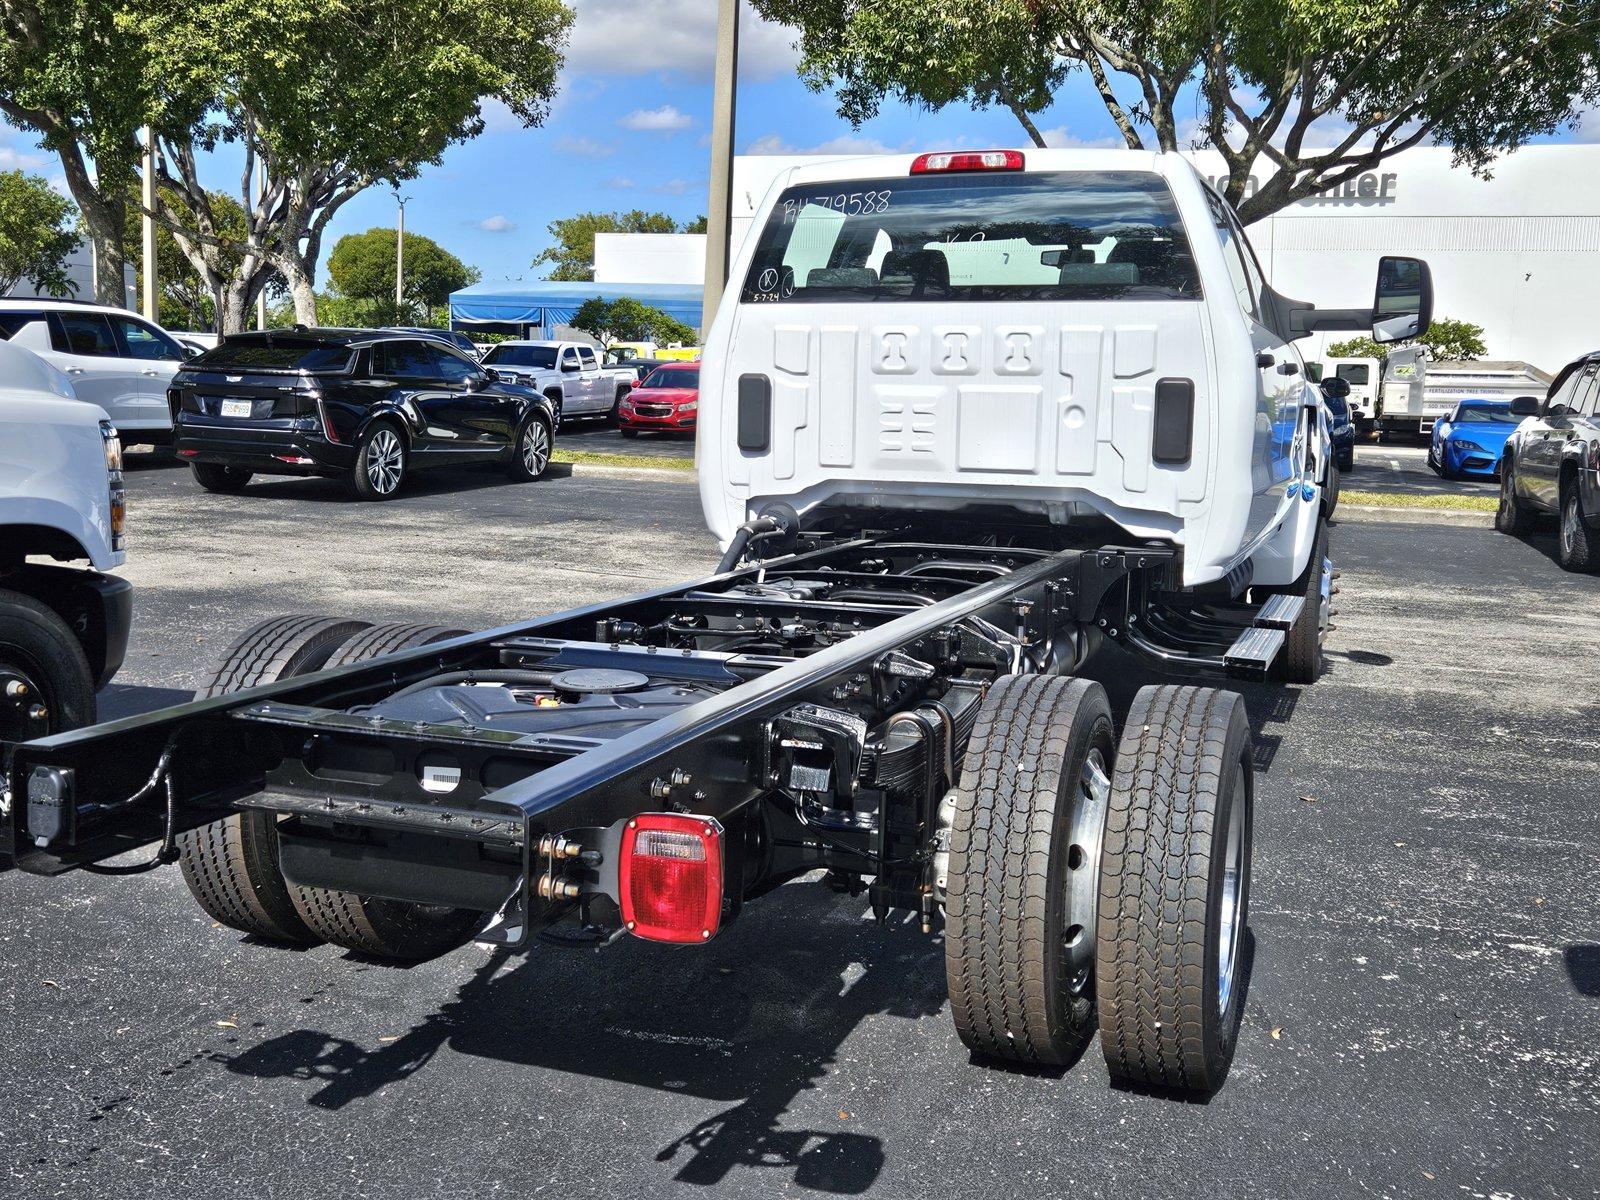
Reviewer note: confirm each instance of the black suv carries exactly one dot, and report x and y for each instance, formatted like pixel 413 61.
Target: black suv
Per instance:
pixel 1552 464
pixel 366 405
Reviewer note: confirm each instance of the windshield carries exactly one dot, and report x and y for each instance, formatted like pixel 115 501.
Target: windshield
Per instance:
pixel 672 377
pixel 506 355
pixel 1081 235
pixel 1356 374
pixel 273 354
pixel 1485 414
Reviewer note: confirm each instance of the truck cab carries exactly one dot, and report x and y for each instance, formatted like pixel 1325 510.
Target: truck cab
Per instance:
pixel 1364 375
pixel 63 619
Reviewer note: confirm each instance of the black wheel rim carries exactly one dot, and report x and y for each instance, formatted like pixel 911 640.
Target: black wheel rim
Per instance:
pixel 27 709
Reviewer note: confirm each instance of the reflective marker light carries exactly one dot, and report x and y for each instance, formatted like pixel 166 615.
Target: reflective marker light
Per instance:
pixel 967 160
pixel 670 877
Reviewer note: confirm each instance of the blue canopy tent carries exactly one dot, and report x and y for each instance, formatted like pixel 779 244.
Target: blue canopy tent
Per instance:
pixel 512 306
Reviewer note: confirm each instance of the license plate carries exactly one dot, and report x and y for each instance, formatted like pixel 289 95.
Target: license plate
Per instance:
pixel 237 408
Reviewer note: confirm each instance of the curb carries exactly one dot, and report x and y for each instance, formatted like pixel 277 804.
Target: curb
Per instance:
pixel 1414 516
pixel 657 473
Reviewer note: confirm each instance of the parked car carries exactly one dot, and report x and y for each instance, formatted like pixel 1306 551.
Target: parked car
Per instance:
pixel 1341 421
pixel 115 359
pixel 366 405
pixel 639 368
pixel 668 401
pixel 1551 465
pixel 568 373
pixel 1469 440
pixel 63 629
pixel 453 337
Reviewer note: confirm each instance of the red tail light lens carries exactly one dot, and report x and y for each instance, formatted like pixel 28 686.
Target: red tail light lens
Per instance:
pixel 670 877
pixel 967 160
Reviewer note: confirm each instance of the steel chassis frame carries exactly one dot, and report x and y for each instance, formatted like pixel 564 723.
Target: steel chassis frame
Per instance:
pixel 532 830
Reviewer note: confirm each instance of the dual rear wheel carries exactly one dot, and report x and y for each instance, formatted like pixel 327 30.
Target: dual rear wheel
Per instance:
pixel 232 865
pixel 1099 883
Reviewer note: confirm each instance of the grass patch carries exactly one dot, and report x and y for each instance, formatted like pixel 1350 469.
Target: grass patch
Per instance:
pixel 595 458
pixel 1439 503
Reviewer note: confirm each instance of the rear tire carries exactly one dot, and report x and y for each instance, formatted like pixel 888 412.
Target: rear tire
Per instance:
pixel 1513 516
pixel 42 666
pixel 382 461
pixel 1302 652
pixel 1577 547
pixel 394 929
pixel 1022 884
pixel 231 865
pixel 219 479
pixel 1175 890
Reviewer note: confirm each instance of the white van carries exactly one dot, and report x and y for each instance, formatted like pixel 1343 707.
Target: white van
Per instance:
pixel 1083 335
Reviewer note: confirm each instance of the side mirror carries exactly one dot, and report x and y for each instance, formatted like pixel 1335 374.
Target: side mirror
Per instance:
pixel 1525 406
pixel 1402 305
pixel 570 367
pixel 1335 386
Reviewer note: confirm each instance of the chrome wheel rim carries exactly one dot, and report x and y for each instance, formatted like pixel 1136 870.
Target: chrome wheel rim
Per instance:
pixel 535 448
pixel 1230 923
pixel 1090 799
pixel 385 461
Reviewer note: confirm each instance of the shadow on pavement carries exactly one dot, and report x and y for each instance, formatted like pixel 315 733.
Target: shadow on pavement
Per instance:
pixel 738 1023
pixel 1583 967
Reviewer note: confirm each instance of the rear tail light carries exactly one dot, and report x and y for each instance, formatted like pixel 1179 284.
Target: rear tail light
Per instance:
pixel 967 160
pixel 670 877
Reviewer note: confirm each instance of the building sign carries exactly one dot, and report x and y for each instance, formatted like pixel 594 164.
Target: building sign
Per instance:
pixel 1371 189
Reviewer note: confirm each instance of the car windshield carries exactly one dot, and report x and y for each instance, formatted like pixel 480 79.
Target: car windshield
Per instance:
pixel 273 353
pixel 672 377
pixel 505 355
pixel 1485 414
pixel 1080 235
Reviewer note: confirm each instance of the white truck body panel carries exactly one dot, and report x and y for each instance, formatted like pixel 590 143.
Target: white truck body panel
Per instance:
pixel 52 457
pixel 1043 406
pixel 1365 377
pixel 1417 390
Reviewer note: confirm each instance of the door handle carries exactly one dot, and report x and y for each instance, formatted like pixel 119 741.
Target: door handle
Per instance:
pixel 151 374
pixel 1263 359
pixel 74 370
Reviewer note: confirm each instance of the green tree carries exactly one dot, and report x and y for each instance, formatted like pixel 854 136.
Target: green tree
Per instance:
pixel 1448 338
pixel 1302 94
pixel 187 300
pixel 572 256
pixel 37 235
pixel 698 225
pixel 627 320
pixel 362 268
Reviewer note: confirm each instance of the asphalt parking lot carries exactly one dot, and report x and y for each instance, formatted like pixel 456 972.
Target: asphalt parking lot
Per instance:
pixel 1404 468
pixel 1424 937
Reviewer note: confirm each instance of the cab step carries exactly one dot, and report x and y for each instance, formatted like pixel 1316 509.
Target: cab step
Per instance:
pixel 1254 651
pixel 1280 612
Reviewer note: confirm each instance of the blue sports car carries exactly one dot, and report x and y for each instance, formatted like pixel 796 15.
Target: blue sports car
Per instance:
pixel 1470 441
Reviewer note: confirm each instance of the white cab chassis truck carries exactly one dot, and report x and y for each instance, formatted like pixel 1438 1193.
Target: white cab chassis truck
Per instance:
pixel 63 628
pixel 1418 389
pixel 975 419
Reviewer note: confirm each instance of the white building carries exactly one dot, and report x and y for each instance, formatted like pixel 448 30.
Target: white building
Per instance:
pixel 1518 254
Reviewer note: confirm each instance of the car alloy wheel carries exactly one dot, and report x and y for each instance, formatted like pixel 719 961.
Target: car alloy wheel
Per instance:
pixel 1571 514
pixel 535 448
pixel 385 462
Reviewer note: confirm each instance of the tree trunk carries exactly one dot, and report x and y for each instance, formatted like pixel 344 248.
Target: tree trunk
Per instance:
pixel 233 311
pixel 104 223
pixel 297 274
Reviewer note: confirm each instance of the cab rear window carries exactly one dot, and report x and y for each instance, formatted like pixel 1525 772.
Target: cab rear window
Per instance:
pixel 274 354
pixel 1067 235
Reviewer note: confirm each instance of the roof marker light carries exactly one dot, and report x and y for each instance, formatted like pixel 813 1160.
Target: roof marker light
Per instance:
pixel 967 160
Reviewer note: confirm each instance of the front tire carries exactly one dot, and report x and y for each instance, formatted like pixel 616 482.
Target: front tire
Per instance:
pixel 219 479
pixel 1513 516
pixel 1175 890
pixel 46 685
pixel 1022 884
pixel 381 463
pixel 629 433
pixel 1577 547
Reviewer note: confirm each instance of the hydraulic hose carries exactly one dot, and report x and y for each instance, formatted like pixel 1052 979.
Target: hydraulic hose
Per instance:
pixel 741 541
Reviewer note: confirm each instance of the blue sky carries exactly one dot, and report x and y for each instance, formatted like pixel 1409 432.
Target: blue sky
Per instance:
pixel 629 129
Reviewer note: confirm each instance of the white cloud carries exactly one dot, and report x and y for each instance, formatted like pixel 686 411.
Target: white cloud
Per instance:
pixel 626 37
pixel 677 187
pixel 499 223
pixel 619 182
pixel 1061 138
pixel 585 147
pixel 845 144
pixel 665 119
pixel 14 159
pixel 1588 126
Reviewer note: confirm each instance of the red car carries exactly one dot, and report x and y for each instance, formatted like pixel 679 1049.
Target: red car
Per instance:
pixel 667 400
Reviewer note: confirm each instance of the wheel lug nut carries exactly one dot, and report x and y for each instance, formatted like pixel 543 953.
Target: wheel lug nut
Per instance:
pixel 38 712
pixel 16 690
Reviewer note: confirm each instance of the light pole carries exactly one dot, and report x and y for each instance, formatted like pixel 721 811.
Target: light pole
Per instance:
pixel 719 215
pixel 150 298
pixel 400 253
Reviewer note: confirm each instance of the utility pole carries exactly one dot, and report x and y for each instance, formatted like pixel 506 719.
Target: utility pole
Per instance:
pixel 400 253
pixel 150 303
pixel 719 217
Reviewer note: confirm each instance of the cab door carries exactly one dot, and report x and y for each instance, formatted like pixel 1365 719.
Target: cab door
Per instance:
pixel 1542 443
pixel 156 357
pixel 485 417
pixel 85 346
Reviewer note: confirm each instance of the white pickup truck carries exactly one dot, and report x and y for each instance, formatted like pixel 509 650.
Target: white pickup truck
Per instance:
pixel 63 629
pixel 567 372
